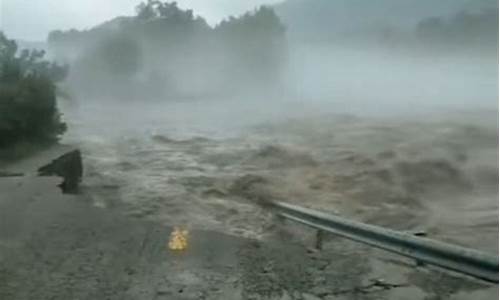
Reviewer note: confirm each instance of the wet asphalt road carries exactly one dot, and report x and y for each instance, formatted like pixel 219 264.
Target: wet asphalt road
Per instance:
pixel 55 246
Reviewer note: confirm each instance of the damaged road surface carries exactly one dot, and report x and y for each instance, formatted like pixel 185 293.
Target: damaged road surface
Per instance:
pixel 55 246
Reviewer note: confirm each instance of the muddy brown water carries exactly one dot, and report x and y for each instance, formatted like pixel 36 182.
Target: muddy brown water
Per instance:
pixel 181 165
pixel 146 174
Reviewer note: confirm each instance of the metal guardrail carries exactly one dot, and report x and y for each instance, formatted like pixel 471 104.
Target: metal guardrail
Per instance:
pixel 451 257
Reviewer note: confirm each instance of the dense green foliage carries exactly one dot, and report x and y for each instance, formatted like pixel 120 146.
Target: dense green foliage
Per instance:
pixel 28 110
pixel 165 51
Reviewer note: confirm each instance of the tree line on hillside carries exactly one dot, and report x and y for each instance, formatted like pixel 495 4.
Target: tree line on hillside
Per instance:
pixel 164 51
pixel 461 32
pixel 413 25
pixel 464 29
pixel 28 110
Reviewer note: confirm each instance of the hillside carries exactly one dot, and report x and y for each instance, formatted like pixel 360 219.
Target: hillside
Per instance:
pixel 333 19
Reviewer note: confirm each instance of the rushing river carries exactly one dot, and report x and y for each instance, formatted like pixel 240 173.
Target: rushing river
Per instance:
pixel 202 166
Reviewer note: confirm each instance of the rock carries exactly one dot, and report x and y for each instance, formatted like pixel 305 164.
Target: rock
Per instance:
pixel 69 167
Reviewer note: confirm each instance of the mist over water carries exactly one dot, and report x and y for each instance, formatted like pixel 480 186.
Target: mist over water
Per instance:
pixel 390 82
pixel 401 135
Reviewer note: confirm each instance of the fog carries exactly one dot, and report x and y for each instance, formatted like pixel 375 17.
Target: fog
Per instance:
pixel 166 53
pixel 393 57
pixel 355 114
pixel 442 58
pixel 315 78
pixel 391 82
pixel 403 115
pixel 385 112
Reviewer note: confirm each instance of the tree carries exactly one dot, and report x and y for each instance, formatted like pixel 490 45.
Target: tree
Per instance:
pixel 28 110
pixel 464 30
pixel 166 51
pixel 146 10
pixel 257 43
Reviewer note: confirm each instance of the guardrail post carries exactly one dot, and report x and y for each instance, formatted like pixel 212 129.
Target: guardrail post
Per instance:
pixel 319 239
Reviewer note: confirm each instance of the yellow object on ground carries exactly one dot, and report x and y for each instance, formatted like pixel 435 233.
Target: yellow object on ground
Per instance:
pixel 178 239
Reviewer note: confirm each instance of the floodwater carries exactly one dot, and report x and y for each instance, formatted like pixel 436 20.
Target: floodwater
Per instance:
pixel 203 165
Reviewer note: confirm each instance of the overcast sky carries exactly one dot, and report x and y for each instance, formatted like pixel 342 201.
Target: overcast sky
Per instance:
pixel 33 19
